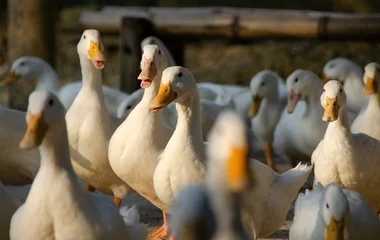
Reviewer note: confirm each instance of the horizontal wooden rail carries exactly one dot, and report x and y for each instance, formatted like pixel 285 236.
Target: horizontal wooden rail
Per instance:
pixel 239 23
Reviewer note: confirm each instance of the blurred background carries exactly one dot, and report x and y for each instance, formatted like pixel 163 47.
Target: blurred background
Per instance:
pixel 220 61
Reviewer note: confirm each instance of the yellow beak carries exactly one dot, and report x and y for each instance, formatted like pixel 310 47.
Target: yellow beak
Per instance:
pixel 371 86
pixel 165 96
pixel 331 112
pixel 11 78
pixel 255 106
pixel 325 79
pixel 334 230
pixel 238 171
pixel 35 132
pixel 95 52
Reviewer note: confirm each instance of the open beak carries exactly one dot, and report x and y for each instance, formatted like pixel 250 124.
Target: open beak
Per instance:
pixel 11 78
pixel 148 72
pixel 35 132
pixel 164 97
pixel 238 170
pixel 293 99
pixel 371 85
pixel 334 230
pixel 331 110
pixel 325 79
pixel 96 55
pixel 255 106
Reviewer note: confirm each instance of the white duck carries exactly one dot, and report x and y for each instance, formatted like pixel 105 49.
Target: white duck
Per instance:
pixel 36 69
pixel 136 144
pixel 16 167
pixel 333 213
pixel 152 40
pixel 368 120
pixel 268 101
pixel 64 210
pixel 351 75
pixel 273 191
pixel 300 128
pixel 90 127
pixel 350 160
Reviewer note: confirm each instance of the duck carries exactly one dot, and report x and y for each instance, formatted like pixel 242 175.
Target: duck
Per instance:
pixel 8 206
pixel 268 101
pixel 293 139
pixel 274 193
pixel 16 167
pixel 90 127
pixel 36 69
pixel 153 40
pixel 368 119
pixel 136 144
pixel 351 74
pixel 331 212
pixel 63 208
pixel 213 211
pixel 350 160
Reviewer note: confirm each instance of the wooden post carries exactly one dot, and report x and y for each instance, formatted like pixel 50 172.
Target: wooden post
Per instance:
pixel 132 32
pixel 176 47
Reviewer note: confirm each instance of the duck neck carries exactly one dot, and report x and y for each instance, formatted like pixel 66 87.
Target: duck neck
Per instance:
pixel 189 117
pixel 54 150
pixel 374 101
pixel 271 101
pixel 47 80
pixel 339 129
pixel 91 77
pixel 151 92
pixel 313 106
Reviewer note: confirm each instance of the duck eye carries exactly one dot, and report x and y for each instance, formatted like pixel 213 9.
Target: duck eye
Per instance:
pixel 324 90
pixel 378 70
pixel 262 83
pixel 296 80
pixel 327 206
pixel 128 107
pixel 22 64
pixel 84 36
pixel 159 52
pixel 341 90
pixel 331 65
pixel 51 102
pixel 179 74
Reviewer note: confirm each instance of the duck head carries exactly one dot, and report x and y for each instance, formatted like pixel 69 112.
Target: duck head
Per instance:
pixel 333 99
pixel 44 109
pixel 91 47
pixel 301 83
pixel 153 61
pixel 371 78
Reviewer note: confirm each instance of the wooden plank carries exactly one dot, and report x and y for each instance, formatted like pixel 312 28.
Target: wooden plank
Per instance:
pixel 240 23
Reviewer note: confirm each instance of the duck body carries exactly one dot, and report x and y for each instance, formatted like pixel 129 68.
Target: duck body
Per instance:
pixel 350 160
pixel 16 167
pixel 90 129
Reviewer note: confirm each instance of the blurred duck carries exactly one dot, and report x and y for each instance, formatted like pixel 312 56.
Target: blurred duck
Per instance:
pixel 8 206
pixel 228 177
pixel 274 192
pixel 300 128
pixel 89 126
pixel 351 75
pixel 348 159
pixel 368 120
pixel 64 210
pixel 333 213
pixel 268 100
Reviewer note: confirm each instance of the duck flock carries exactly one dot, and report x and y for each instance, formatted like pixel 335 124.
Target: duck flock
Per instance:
pixel 70 161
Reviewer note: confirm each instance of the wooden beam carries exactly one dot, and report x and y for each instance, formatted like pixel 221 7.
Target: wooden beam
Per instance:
pixel 240 23
pixel 133 31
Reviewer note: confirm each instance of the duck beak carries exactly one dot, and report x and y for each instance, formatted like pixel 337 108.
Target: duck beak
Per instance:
pixel 148 72
pixel 11 78
pixel 371 85
pixel 238 170
pixel 165 96
pixel 255 106
pixel 334 230
pixel 331 110
pixel 96 55
pixel 325 79
pixel 293 99
pixel 35 132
